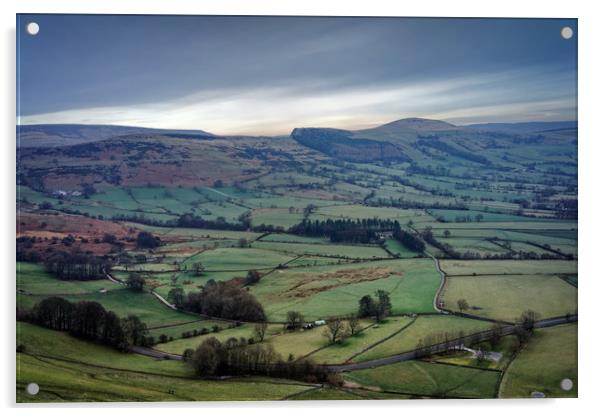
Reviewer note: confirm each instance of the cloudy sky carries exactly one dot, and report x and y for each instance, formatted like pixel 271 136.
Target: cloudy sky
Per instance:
pixel 267 75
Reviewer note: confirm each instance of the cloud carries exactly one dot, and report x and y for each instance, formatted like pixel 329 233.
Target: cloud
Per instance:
pixel 277 109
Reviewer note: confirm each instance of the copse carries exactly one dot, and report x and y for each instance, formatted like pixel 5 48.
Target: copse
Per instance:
pixel 236 357
pixel 91 321
pixel 76 266
pixel 225 300
pixel 147 240
pixel 379 308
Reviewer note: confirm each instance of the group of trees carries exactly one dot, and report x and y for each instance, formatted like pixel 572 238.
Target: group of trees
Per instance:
pixel 135 282
pixel 253 277
pixel 379 308
pixel 89 320
pixel 76 266
pixel 225 300
pixel 237 357
pixel 361 231
pixel 339 328
pixel 146 240
pixel 409 240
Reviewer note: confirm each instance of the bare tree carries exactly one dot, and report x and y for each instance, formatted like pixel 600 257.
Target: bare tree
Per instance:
pixel 354 325
pixel 260 330
pixel 335 328
pixel 462 304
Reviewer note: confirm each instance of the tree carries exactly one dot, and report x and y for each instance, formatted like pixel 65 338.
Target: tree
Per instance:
pixel 309 209
pixel 383 305
pixel 260 330
pixel 527 320
pixel 479 217
pixel 462 304
pixel 134 330
pixel 135 282
pixel 335 328
pixel 446 233
pixel 366 307
pixel 198 269
pixel 176 296
pixel 54 313
pixel 205 359
pixel 294 319
pixel 243 243
pixel 496 334
pixel 88 320
pixel 147 241
pixel 354 325
pixel 253 276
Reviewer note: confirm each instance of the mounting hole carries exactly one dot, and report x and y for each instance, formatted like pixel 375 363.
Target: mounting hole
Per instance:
pixel 32 389
pixel 566 32
pixel 32 28
pixel 566 384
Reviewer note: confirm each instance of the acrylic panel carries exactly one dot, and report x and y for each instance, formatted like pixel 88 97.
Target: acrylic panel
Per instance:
pixel 295 208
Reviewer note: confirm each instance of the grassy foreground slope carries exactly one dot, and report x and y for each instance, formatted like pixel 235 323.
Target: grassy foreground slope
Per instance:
pixel 68 369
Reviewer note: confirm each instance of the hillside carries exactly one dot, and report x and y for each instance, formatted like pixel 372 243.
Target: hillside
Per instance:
pixel 51 135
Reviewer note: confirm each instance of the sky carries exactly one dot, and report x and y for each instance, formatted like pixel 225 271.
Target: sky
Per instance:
pixel 268 75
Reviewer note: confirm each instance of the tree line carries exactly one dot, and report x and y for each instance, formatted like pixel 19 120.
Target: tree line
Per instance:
pixel 408 240
pixel 360 231
pixel 90 321
pixel 77 266
pixel 236 357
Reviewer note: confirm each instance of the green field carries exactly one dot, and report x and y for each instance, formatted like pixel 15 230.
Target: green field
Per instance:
pixel 328 250
pixel 420 331
pixel 497 267
pixel 33 279
pixel 426 379
pixel 549 357
pixel 506 297
pixel 351 346
pixel 323 291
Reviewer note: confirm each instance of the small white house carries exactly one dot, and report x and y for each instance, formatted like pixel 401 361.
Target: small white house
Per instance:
pixel 320 322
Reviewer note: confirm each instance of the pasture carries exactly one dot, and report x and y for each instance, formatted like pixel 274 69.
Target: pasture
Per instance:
pixel 429 379
pixel 323 291
pixel 425 328
pixel 549 357
pixel 506 297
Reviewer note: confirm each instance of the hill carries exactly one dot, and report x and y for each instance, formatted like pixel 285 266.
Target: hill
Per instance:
pixel 50 135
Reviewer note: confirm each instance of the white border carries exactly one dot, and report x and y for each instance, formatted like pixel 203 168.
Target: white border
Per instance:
pixel 590 113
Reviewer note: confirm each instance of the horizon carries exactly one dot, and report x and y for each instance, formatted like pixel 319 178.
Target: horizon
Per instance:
pixel 259 75
pixel 283 134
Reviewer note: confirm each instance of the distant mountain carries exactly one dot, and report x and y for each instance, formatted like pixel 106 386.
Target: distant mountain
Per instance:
pixel 52 135
pixel 528 127
pixel 419 125
pixel 414 139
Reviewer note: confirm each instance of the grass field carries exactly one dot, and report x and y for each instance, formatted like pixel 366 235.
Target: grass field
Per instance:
pixel 148 308
pixel 351 346
pixel 225 259
pixel 323 291
pixel 476 267
pixel 420 330
pixel 549 357
pixel 334 250
pixel 435 380
pixel 33 279
pixel 506 297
